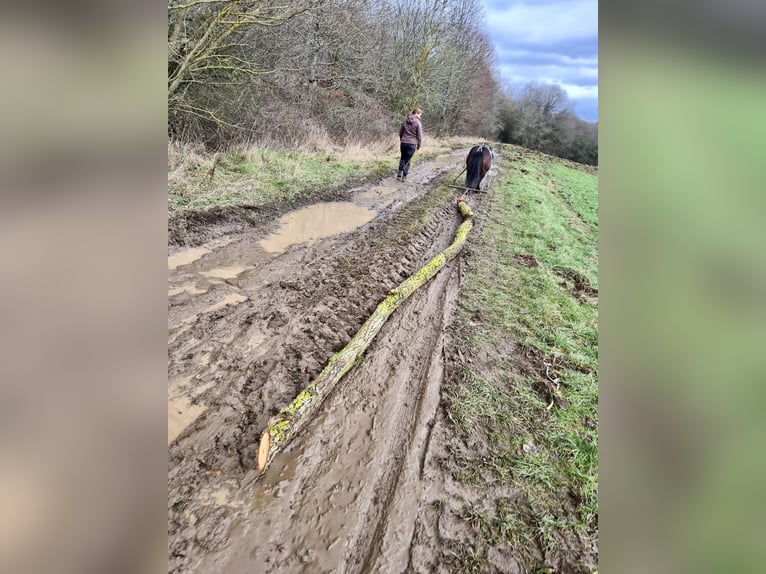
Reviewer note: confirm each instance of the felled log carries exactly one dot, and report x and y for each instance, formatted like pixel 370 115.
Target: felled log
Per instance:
pixel 295 416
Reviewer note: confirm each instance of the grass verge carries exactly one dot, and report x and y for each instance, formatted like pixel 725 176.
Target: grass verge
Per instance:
pixel 523 405
pixel 256 175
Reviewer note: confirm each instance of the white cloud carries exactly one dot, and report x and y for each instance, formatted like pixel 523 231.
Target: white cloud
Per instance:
pixel 522 73
pixel 545 57
pixel 545 24
pixel 548 42
pixel 580 92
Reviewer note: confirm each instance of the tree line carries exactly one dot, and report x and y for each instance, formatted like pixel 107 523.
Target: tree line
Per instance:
pixel 313 72
pixel 540 117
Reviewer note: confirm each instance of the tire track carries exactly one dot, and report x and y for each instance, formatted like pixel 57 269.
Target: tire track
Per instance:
pixel 334 500
pixel 246 359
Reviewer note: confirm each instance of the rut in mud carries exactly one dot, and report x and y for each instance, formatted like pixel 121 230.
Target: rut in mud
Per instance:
pixel 252 320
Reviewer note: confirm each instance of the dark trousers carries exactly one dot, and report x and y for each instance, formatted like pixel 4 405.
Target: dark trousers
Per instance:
pixel 408 150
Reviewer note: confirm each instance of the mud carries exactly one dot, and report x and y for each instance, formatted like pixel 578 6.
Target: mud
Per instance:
pixel 250 324
pixel 186 256
pixel 578 284
pixel 195 228
pixel 526 260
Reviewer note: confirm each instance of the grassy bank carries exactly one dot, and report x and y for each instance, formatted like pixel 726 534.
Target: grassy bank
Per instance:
pixel 259 175
pixel 523 406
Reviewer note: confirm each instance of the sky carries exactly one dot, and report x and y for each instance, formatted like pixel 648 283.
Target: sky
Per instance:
pixel 549 42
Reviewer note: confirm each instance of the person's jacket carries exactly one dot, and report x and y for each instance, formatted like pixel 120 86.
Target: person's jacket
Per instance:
pixel 411 131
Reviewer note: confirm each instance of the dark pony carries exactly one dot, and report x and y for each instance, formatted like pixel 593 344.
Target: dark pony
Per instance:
pixel 477 164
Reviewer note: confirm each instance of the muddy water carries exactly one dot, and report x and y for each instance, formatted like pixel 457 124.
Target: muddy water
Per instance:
pixel 190 289
pixel 315 222
pixel 232 299
pixel 182 412
pixel 186 256
pixel 225 272
pixel 375 192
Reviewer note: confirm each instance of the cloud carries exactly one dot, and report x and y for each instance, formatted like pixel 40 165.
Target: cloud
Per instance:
pixel 520 68
pixel 576 92
pixel 545 57
pixel 544 24
pixel 548 42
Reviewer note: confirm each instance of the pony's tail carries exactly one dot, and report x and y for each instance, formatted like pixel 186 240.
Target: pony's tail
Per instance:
pixel 473 169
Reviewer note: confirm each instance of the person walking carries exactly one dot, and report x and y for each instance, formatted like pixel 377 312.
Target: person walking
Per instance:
pixel 410 138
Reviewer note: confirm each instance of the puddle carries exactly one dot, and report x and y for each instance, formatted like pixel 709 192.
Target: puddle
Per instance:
pixel 376 192
pixel 224 272
pixel 256 340
pixel 315 222
pixel 181 411
pixel 186 256
pixel 233 299
pixel 190 289
pixel 276 481
pixel 202 388
pixel 221 496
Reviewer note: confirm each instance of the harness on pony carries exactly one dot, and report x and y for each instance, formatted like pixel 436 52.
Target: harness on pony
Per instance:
pixel 479 149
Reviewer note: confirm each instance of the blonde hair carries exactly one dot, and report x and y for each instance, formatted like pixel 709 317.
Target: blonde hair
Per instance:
pixel 417 111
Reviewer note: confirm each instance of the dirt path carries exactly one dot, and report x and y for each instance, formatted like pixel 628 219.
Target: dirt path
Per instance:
pixel 253 317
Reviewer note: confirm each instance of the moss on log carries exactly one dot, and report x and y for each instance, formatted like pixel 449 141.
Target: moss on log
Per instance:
pixel 295 416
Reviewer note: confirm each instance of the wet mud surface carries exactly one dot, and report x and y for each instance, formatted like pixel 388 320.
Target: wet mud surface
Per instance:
pixel 253 317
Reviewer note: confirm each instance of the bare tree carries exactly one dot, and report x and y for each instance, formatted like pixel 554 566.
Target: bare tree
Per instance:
pixel 537 110
pixel 540 117
pixel 207 47
pixel 439 59
pixel 337 69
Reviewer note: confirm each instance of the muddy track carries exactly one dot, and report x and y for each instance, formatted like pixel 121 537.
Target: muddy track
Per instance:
pixel 249 326
pixel 193 228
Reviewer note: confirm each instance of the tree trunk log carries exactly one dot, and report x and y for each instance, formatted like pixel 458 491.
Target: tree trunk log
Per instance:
pixel 291 419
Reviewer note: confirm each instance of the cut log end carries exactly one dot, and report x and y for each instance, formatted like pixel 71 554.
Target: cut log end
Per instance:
pixel 263 450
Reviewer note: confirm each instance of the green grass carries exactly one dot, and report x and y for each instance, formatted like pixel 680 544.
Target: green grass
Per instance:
pixel 538 243
pixel 576 187
pixel 260 176
pixel 257 176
